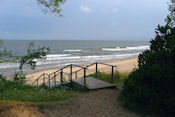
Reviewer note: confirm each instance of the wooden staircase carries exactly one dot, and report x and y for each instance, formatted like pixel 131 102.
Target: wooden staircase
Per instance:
pixel 60 78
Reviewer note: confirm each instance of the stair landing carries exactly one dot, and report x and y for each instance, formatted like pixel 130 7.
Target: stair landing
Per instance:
pixel 93 83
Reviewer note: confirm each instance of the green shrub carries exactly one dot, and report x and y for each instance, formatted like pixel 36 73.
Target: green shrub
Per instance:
pixel 151 88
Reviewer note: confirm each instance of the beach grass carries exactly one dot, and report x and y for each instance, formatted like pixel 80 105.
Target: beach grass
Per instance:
pixel 118 78
pixel 10 91
pixel 11 61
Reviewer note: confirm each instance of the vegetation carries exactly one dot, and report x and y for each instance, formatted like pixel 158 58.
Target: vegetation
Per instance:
pixel 30 59
pixel 52 6
pixel 32 56
pixel 150 88
pixel 18 91
pixel 12 61
pixel 118 78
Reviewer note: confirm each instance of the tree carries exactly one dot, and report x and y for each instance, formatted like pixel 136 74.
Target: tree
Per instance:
pixel 52 6
pixel 151 88
pixel 31 57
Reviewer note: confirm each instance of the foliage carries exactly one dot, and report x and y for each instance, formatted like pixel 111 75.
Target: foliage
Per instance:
pixel 151 88
pixel 29 59
pixel 18 78
pixel 52 6
pixel 32 56
pixel 17 91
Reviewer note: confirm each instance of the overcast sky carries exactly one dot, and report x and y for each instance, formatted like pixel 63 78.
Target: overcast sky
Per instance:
pixel 83 20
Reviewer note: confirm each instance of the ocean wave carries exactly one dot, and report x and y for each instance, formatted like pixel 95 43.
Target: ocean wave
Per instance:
pixel 8 65
pixel 127 48
pixel 111 56
pixel 76 50
pixel 60 59
pixel 57 55
pixel 63 58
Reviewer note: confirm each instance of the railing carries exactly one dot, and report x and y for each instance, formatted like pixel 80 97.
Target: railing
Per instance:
pixel 59 74
pixel 96 70
pixel 55 77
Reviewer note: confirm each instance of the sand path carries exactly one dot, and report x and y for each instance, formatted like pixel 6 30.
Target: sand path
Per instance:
pixel 97 103
pixel 100 103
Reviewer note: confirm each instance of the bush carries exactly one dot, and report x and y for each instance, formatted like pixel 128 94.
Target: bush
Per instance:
pixel 151 88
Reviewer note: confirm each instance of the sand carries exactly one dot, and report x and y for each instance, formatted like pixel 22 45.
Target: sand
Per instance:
pixel 101 103
pixel 123 66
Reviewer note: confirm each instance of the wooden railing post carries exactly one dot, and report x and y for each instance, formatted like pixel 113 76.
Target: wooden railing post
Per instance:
pixel 49 80
pixel 44 78
pixel 61 75
pixel 96 70
pixel 84 76
pixel 71 73
pixel 37 82
pixel 55 79
pixel 76 75
pixel 112 74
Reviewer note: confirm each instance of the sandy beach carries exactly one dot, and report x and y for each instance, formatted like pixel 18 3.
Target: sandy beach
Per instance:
pixel 123 66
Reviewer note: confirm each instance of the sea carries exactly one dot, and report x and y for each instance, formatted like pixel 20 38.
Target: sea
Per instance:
pixel 64 52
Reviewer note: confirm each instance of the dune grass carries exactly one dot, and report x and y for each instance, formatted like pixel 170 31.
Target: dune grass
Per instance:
pixel 118 78
pixel 10 91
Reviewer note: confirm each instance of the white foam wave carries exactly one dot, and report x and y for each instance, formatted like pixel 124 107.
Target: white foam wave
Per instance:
pixel 57 55
pixel 127 48
pixel 8 65
pixel 110 56
pixel 66 58
pixel 76 50
pixel 63 58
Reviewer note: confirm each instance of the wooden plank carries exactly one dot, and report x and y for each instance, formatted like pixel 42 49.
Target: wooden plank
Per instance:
pixel 52 84
pixel 93 83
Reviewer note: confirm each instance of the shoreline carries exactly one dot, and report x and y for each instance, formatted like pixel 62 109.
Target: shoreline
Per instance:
pixel 83 64
pixel 125 65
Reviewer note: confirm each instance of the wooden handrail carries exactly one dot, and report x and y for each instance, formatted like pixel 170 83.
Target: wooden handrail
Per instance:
pixel 77 66
pixel 92 65
pixel 38 78
pixel 106 64
pixel 83 68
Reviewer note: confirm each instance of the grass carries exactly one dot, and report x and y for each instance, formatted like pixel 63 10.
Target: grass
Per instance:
pixel 19 92
pixel 118 78
pixel 10 91
pixel 12 61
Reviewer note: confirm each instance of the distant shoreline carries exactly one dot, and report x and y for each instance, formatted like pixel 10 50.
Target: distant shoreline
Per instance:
pixel 87 63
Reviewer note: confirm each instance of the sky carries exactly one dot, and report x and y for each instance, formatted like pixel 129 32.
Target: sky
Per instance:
pixel 83 20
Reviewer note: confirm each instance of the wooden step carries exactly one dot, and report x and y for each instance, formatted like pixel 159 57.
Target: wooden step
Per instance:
pixel 55 84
